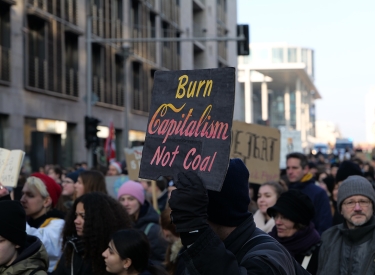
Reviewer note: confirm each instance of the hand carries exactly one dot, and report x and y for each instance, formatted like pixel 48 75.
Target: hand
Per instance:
pixel 3 191
pixel 189 203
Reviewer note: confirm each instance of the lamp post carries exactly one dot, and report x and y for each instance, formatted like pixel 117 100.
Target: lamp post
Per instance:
pixel 127 96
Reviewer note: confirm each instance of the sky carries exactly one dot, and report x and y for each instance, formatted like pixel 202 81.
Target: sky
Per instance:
pixel 342 35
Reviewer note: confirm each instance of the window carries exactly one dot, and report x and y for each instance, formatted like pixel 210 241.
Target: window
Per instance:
pixel 97 71
pixel 292 55
pixel 71 64
pixel 37 53
pixel 136 85
pixel 119 90
pixel 4 42
pixel 2 130
pixel 277 55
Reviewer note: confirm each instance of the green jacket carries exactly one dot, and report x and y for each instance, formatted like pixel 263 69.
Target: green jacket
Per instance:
pixel 33 257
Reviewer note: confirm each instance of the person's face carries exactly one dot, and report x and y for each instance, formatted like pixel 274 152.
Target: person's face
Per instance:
pixel 267 197
pixel 169 236
pixel 294 170
pixel 336 190
pixel 334 171
pixel 357 214
pixel 79 221
pixel 114 264
pixel 313 171
pixel 112 171
pixel 79 187
pixel 285 227
pixel 130 203
pixel 33 202
pixel 68 187
pixel 322 176
pixel 52 174
pixel 8 252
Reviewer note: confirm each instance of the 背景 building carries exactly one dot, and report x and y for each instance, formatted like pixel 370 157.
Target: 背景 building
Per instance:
pixel 43 67
pixel 277 81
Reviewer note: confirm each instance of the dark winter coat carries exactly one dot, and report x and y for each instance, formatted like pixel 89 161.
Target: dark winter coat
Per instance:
pixel 348 251
pixel 32 257
pixel 312 267
pixel 209 255
pixel 148 217
pixel 323 217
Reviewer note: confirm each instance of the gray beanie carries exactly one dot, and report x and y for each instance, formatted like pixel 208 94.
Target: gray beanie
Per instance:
pixel 352 186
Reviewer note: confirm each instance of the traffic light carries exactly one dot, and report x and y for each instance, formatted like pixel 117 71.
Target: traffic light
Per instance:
pixel 91 130
pixel 243 46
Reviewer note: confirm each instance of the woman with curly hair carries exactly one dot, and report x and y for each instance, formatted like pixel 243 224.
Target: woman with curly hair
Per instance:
pixel 90 181
pixel 128 254
pixel 89 225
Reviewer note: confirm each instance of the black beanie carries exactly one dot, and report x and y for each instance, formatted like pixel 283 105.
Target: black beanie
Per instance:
pixel 346 169
pixel 13 222
pixel 229 207
pixel 295 206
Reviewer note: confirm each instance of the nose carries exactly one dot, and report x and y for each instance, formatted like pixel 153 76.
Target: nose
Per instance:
pixel 104 254
pixel 23 199
pixel 357 207
pixel 77 221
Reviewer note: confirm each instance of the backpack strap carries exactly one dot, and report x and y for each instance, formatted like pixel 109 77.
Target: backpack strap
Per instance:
pixel 148 227
pixel 36 270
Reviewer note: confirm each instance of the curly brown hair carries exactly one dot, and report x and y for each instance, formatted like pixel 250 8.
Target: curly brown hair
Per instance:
pixel 103 217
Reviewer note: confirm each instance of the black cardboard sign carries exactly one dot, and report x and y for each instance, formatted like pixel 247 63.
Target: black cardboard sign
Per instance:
pixel 189 126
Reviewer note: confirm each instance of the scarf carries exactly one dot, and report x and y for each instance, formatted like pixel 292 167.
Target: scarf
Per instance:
pixel 260 222
pixel 360 234
pixel 301 241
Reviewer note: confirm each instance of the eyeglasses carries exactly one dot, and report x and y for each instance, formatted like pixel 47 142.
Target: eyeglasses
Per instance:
pixel 352 204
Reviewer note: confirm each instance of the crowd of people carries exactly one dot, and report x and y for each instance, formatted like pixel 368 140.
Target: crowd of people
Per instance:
pixel 317 219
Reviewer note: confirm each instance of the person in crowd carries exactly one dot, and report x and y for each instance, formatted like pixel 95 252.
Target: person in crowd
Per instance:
pixel 67 196
pixel 253 206
pixel 20 254
pixel 89 225
pixel 346 169
pixel 300 179
pixel 219 233
pixel 348 248
pixel 173 261
pixel 55 173
pixel 90 181
pixel 114 169
pixel 293 214
pixel 268 194
pixel 128 254
pixel 131 196
pixel 334 168
pixel 40 196
pixel 313 169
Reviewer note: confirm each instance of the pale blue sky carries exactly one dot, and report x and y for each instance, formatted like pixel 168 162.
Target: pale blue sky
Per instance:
pixel 342 33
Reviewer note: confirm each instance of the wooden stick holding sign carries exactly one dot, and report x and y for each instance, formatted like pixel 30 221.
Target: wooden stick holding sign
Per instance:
pixel 154 197
pixel 189 125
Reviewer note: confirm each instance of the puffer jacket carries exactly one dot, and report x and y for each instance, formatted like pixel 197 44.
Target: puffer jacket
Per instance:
pixel 148 222
pixel 32 257
pixel 351 250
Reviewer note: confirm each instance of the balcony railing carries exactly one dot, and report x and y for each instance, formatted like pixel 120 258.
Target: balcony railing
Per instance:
pixel 38 73
pixel 4 64
pixel 71 82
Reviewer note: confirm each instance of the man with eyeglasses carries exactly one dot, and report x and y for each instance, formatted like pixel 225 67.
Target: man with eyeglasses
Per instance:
pixel 349 248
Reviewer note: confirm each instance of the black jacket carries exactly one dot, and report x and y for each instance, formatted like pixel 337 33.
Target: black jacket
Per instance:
pixel 148 217
pixel 209 255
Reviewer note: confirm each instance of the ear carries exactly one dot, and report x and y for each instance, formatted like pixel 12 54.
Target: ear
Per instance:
pixel 127 263
pixel 47 202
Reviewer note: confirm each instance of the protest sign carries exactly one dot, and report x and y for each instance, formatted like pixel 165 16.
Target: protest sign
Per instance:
pixel 189 125
pixel 10 166
pixel 113 184
pixel 133 158
pixel 259 148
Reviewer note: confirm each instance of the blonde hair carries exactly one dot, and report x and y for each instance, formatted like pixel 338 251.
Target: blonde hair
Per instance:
pixel 38 184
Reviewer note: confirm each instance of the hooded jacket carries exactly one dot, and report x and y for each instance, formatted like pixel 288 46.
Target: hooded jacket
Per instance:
pixel 32 257
pixel 148 222
pixel 323 217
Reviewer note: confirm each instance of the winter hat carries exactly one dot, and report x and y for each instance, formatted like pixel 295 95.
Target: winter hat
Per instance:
pixel 294 205
pixel 352 186
pixel 74 175
pixel 53 189
pixel 134 189
pixel 13 222
pixel 117 165
pixel 229 207
pixel 346 169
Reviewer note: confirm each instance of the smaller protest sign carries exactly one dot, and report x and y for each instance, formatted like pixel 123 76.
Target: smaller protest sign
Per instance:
pixel 259 148
pixel 113 184
pixel 133 158
pixel 189 125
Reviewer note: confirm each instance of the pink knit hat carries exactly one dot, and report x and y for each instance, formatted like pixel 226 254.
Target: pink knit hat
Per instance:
pixel 134 189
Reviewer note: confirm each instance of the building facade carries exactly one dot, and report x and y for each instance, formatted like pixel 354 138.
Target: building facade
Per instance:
pixel 277 82
pixel 44 75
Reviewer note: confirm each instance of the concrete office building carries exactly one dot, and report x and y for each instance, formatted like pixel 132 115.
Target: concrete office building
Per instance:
pixel 277 82
pixel 43 67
